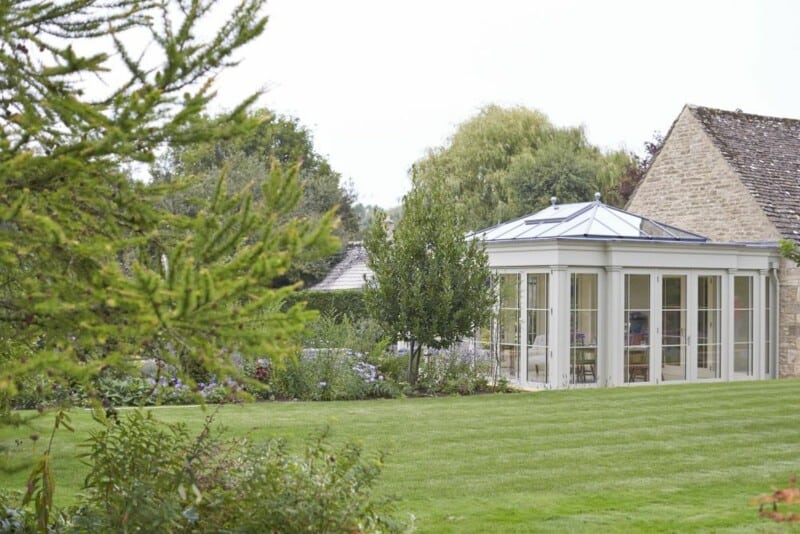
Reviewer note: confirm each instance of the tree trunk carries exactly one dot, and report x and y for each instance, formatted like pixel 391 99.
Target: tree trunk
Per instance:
pixel 413 362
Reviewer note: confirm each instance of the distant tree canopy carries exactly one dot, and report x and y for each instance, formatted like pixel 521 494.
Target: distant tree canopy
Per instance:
pixel 247 160
pixel 506 162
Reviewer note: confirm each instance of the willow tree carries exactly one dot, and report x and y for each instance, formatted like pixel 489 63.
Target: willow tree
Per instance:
pixel 94 273
pixel 431 286
pixel 506 162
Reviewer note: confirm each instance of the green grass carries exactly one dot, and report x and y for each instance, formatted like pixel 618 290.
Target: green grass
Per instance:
pixel 656 459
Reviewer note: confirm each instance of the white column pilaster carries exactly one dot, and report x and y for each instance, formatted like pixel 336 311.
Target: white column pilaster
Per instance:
pixel 611 361
pixel 558 352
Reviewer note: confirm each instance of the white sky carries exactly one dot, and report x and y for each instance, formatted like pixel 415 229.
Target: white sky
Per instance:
pixel 380 82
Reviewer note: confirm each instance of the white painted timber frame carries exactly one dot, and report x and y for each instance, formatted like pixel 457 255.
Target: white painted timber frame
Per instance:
pixel 611 259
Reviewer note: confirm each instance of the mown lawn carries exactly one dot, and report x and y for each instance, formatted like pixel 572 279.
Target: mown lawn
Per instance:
pixel 669 459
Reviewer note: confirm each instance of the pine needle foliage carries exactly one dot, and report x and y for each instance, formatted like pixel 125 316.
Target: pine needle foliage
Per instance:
pixel 94 272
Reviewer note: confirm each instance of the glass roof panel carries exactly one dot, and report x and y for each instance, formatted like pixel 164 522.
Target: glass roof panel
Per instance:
pixel 556 213
pixel 590 220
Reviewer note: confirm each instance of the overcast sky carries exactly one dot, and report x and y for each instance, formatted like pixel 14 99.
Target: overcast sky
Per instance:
pixel 380 82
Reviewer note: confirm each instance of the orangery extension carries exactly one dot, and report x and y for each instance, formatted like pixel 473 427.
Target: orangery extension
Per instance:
pixel 591 295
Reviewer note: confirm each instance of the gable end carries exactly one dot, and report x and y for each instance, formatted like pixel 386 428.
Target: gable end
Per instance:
pixel 692 185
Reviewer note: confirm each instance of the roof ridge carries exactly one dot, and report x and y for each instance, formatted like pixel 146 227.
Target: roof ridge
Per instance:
pixel 739 113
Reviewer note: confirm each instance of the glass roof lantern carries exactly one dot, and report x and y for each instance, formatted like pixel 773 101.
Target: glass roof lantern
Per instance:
pixel 586 220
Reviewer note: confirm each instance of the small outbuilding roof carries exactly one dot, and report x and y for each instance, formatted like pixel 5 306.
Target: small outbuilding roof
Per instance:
pixel 349 273
pixel 585 220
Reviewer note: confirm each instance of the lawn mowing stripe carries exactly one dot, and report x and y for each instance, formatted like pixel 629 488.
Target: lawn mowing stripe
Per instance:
pixel 677 458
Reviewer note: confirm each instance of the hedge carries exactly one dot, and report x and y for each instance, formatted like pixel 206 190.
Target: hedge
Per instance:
pixel 345 302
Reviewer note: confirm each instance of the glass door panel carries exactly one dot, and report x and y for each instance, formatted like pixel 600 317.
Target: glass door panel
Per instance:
pixel 583 328
pixel 508 326
pixel 673 328
pixel 709 338
pixel 537 315
pixel 637 328
pixel 743 325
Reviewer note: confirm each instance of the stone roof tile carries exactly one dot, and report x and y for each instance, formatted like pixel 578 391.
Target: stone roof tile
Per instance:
pixel 765 153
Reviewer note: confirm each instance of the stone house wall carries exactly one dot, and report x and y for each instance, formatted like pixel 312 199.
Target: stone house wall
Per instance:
pixel 692 186
pixel 789 320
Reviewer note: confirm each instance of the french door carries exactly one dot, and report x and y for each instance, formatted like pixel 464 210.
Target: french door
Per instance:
pixel 743 326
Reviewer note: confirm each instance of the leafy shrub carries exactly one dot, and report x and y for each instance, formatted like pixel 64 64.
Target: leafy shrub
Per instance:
pixel 360 336
pixel 384 389
pixel 393 366
pixel 22 520
pixel 121 390
pixel 338 365
pixel 445 372
pixel 327 490
pixel 125 391
pixel 259 373
pixel 452 372
pixel 43 391
pixel 221 392
pixel 137 467
pixel 326 374
pixel 151 477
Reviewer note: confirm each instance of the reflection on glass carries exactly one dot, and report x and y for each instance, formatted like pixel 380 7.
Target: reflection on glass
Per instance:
pixel 508 325
pixel 673 337
pixel 537 327
pixel 637 328
pixel 709 345
pixel 743 325
pixel 483 346
pixel 583 328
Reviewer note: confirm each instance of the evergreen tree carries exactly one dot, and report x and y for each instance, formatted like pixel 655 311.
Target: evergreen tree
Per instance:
pixel 431 286
pixel 95 272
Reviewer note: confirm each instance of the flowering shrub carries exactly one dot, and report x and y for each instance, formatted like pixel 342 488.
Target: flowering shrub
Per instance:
pixel 43 391
pixel 127 391
pixel 340 366
pixel 365 369
pixel 150 391
pixel 330 374
pixel 315 374
pixel 452 372
pixel 217 393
